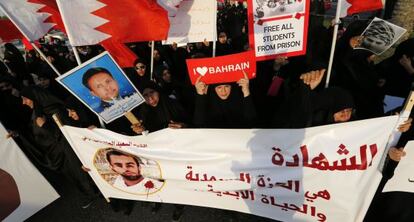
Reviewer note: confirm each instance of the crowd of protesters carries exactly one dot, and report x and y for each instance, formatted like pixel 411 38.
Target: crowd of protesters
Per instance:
pixel 287 93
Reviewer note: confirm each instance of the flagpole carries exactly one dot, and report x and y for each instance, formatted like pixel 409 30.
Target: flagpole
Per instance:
pixel 215 33
pixel 45 58
pixel 335 36
pixel 152 60
pixel 76 53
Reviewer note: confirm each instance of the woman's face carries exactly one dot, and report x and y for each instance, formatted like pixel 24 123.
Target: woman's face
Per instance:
pixel 28 102
pixel 140 68
pixel 166 75
pixel 223 91
pixel 72 114
pixel 222 38
pixel 151 97
pixel 343 115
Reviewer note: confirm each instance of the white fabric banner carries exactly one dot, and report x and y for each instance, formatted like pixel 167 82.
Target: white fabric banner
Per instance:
pixel 403 179
pixel 195 21
pixel 24 191
pixel 27 17
pixel 327 173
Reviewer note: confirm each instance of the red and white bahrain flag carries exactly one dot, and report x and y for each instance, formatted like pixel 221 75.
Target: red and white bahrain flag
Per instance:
pixel 91 22
pixel 350 7
pixel 34 18
pixel 112 23
pixel 8 31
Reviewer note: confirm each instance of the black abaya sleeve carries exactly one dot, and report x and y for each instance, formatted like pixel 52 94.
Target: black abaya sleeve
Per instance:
pixel 200 111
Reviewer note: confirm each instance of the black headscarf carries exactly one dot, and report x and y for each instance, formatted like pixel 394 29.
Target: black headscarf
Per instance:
pixel 44 103
pixel 234 112
pixel 156 118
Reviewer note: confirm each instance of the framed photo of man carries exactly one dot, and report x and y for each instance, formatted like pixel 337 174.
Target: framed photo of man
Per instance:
pixel 103 87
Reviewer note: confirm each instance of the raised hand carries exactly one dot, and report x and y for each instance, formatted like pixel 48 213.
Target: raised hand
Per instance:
pixel 244 84
pixel 201 87
pixel 313 78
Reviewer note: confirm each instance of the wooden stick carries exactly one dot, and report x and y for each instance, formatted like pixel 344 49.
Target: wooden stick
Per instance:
pixel 131 117
pixel 134 120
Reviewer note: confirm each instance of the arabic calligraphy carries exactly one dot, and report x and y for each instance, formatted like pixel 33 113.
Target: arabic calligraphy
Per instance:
pixel 190 176
pixel 115 143
pixel 320 162
pixel 290 184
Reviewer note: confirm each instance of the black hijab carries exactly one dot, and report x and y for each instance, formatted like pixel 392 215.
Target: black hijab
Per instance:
pixel 158 117
pixel 44 103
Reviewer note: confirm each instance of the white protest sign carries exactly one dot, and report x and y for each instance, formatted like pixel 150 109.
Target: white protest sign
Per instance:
pixel 195 21
pixel 327 173
pixel 403 179
pixel 278 27
pixel 24 191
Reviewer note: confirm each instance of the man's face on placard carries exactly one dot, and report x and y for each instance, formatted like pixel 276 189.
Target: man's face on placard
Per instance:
pixel 126 166
pixel 103 86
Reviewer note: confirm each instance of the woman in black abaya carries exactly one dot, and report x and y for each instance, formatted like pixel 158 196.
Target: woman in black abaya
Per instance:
pixel 159 111
pixel 46 144
pixel 224 105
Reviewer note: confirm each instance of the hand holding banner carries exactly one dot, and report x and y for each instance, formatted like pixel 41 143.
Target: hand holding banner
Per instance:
pixel 222 69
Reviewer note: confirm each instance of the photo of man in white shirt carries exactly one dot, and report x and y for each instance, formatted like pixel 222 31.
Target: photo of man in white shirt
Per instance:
pixel 129 178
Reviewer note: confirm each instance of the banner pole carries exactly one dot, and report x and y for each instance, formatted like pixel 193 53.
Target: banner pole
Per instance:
pixel 333 46
pixel 214 49
pixel 152 60
pixel 45 58
pixel 215 33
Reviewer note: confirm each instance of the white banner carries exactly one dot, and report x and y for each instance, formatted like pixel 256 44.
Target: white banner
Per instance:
pixel 23 190
pixel 403 179
pixel 327 173
pixel 195 21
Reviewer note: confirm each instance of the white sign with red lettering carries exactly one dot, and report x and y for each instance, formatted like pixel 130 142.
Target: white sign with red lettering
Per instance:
pixel 327 173
pixel 278 28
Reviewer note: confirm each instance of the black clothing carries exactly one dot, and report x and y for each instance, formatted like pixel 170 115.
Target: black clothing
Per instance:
pixel 234 112
pixel 167 110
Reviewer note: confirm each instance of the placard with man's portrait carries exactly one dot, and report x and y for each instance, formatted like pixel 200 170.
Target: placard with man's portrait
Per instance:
pixel 103 87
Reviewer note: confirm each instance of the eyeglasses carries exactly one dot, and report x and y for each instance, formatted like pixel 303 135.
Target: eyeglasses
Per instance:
pixel 139 67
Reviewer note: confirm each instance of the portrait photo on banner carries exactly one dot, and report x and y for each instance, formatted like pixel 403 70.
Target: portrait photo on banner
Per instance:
pixel 273 8
pixel 380 35
pixel 103 87
pixel 128 172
